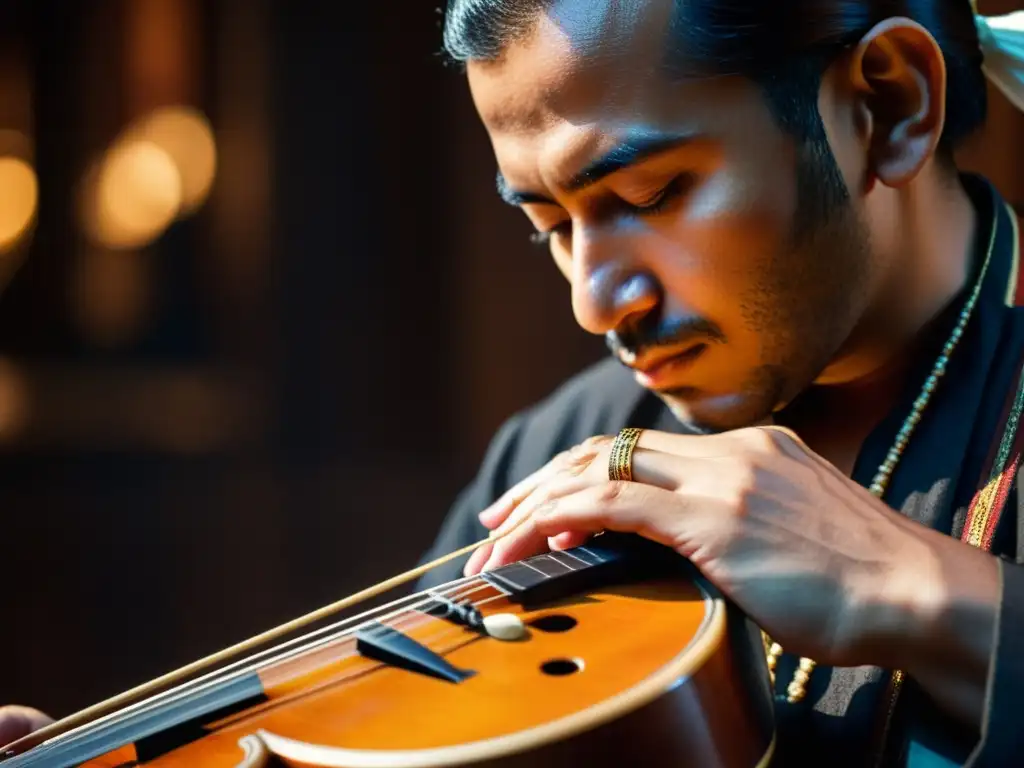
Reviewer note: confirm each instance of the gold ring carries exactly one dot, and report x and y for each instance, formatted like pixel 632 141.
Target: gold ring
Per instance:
pixel 620 461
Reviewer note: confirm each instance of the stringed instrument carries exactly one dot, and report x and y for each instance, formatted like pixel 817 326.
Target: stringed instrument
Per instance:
pixel 615 653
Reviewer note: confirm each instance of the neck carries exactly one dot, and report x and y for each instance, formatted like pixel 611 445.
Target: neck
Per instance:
pixel 924 237
pixel 923 242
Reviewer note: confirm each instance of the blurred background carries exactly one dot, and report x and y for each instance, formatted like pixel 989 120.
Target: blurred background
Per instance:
pixel 260 313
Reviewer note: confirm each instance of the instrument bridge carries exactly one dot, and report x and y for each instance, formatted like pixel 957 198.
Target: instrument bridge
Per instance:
pixel 390 646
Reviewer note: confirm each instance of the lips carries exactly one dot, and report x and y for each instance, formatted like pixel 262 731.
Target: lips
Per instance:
pixel 657 372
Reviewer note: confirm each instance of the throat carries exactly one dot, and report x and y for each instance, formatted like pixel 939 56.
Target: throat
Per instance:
pixel 836 420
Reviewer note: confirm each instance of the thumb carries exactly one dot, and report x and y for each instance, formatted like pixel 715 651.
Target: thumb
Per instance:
pixel 16 722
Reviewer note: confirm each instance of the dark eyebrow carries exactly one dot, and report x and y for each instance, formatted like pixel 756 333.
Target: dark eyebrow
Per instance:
pixel 622 156
pixel 516 199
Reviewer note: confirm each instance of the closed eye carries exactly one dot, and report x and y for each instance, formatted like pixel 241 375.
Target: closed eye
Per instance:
pixel 544 238
pixel 658 203
pixel 666 195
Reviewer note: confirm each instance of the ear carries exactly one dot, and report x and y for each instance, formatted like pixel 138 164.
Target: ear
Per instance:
pixel 899 76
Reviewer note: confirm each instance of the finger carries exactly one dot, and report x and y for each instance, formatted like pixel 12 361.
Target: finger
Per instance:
pixel 660 469
pixel 625 507
pixel 670 471
pixel 568 540
pixel 629 507
pixel 573 461
pixel 17 721
pixel 690 474
pixel 692 446
pixel 716 445
pixel 652 458
pixel 560 485
pixel 520 543
pixel 481 554
pixel 477 559
pixel 495 514
pixel 515 539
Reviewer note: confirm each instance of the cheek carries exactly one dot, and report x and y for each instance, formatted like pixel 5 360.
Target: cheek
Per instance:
pixel 758 186
pixel 724 247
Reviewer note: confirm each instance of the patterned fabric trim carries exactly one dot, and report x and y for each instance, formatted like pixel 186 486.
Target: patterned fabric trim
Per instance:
pixel 988 503
pixel 986 508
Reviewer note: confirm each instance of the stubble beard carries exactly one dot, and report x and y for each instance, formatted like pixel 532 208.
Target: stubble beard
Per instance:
pixel 803 305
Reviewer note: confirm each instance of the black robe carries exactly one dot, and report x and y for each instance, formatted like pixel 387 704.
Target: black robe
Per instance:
pixel 934 484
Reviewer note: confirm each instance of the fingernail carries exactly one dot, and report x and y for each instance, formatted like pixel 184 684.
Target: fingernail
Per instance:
pixel 488 515
pixel 470 569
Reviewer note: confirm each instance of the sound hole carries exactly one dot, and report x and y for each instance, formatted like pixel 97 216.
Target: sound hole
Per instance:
pixel 561 667
pixel 556 622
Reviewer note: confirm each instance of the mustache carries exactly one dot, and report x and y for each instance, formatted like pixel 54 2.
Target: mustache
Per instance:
pixel 631 343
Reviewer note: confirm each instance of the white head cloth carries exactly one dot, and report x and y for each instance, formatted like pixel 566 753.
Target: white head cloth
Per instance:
pixel 1002 42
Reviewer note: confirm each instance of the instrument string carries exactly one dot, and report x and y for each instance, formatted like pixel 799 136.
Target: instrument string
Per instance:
pixel 402 620
pixel 259 661
pixel 139 694
pixel 430 641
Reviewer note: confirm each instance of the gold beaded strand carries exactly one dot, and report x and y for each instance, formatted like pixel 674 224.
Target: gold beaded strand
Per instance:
pixel 797 688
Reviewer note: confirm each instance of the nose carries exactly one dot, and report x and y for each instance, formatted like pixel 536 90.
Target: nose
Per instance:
pixel 609 287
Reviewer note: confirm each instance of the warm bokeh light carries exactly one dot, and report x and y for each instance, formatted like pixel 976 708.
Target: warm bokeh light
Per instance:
pixel 19 197
pixel 159 169
pixel 185 135
pixel 133 196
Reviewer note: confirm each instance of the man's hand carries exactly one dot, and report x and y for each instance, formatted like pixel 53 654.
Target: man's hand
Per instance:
pixel 16 722
pixel 827 569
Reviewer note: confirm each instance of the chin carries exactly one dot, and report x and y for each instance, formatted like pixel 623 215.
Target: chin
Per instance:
pixel 709 414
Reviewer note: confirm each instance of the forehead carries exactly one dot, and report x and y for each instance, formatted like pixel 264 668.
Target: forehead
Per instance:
pixel 577 54
pixel 588 74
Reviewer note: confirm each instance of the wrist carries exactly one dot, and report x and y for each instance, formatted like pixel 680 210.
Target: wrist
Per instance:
pixel 934 609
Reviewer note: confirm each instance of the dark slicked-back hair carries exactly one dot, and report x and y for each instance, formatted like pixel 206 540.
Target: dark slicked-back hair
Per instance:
pixel 783 45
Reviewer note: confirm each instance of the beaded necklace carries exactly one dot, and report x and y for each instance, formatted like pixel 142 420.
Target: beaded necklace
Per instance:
pixel 797 688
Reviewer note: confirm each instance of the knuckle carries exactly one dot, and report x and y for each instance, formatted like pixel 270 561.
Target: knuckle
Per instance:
pixel 764 440
pixel 580 457
pixel 610 492
pixel 564 459
pixel 542 497
pixel 742 490
pixel 544 508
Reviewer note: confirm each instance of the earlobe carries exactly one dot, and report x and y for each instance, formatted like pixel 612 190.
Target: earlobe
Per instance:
pixel 900 75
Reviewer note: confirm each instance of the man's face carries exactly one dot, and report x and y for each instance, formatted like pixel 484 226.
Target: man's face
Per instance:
pixel 678 211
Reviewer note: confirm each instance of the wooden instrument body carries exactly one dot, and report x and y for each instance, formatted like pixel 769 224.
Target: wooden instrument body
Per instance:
pixel 655 672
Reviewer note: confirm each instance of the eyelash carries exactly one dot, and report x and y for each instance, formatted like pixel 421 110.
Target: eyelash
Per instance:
pixel 658 203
